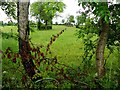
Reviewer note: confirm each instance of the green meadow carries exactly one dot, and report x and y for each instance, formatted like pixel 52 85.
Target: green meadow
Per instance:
pixel 67 47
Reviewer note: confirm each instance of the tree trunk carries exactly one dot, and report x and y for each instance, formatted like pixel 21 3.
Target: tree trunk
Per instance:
pixel 46 23
pixel 23 29
pixel 51 23
pixel 100 49
pixel 39 24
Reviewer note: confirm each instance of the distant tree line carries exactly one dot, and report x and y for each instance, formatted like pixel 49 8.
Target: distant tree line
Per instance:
pixel 9 23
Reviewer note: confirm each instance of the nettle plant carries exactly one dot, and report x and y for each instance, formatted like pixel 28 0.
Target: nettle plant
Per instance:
pixel 51 72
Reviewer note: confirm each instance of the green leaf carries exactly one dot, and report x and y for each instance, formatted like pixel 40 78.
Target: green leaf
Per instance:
pixel 106 19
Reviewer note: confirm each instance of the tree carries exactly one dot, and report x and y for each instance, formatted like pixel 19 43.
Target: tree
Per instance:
pixel 45 11
pixel 80 19
pixel 63 21
pixel 36 10
pixel 23 29
pixel 106 24
pixel 9 8
pixel 71 19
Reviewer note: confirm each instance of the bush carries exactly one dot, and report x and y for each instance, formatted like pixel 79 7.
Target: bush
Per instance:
pixel 77 26
pixel 43 27
pixel 49 27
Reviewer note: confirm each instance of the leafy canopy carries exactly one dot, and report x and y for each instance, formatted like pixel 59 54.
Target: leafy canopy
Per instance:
pixel 9 8
pixel 109 12
pixel 46 10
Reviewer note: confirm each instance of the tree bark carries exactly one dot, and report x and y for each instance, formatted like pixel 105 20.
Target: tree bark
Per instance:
pixel 23 29
pixel 46 24
pixel 39 24
pixel 51 23
pixel 100 49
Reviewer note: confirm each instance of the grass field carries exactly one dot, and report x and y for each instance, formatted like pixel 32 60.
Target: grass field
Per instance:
pixel 67 47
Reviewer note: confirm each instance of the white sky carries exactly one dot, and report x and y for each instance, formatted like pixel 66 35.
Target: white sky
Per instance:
pixel 71 9
pixel 3 16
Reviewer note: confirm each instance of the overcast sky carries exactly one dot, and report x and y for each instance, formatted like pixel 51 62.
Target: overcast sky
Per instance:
pixel 71 9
